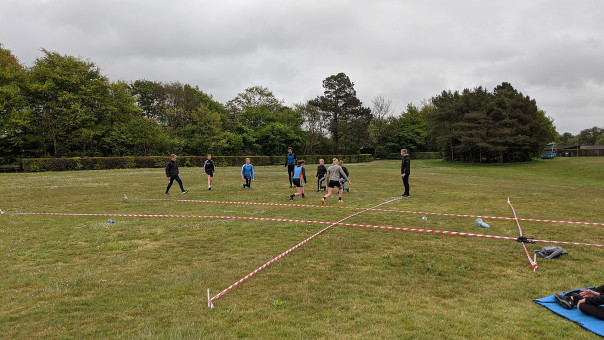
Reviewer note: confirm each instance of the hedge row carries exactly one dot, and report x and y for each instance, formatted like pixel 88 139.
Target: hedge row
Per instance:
pixel 418 155
pixel 102 163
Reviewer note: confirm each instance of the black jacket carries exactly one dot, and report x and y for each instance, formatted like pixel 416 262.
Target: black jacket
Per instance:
pixel 406 165
pixel 596 300
pixel 345 171
pixel 321 171
pixel 172 169
pixel 208 166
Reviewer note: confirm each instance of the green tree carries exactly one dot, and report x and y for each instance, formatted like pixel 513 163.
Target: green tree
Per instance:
pixel 347 118
pixel 567 138
pixel 381 109
pixel 149 96
pixel 265 125
pixel 443 121
pixel 413 129
pixel 15 112
pixel 476 125
pixel 589 136
pixel 314 128
pixel 600 140
pixel 69 97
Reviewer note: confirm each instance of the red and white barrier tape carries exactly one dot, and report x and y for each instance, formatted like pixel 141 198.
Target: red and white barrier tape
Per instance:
pixel 382 210
pixel 211 305
pixel 445 232
pixel 172 216
pixel 533 263
pixel 308 221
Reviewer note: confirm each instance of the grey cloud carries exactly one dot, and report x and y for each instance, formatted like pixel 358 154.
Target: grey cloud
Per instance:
pixel 404 50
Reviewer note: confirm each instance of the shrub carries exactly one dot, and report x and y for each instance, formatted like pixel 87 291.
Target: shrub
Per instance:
pixel 418 155
pixel 100 163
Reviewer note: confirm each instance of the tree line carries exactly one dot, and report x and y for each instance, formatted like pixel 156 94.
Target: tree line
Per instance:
pixel 63 106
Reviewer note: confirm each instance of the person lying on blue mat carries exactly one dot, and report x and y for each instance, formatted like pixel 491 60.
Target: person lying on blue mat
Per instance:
pixel 588 301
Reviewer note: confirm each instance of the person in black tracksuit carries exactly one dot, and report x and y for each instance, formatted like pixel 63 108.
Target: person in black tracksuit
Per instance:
pixel 209 169
pixel 405 170
pixel 588 301
pixel 290 164
pixel 321 172
pixel 173 174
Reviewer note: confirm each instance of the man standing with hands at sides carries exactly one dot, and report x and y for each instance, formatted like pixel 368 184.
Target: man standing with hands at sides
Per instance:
pixel 173 174
pixel 209 169
pixel 290 164
pixel 405 170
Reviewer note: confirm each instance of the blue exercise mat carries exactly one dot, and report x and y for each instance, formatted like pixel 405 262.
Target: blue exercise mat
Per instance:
pixel 588 322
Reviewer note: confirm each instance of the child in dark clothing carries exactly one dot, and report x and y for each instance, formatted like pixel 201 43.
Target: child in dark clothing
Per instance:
pixel 209 169
pixel 173 174
pixel 321 172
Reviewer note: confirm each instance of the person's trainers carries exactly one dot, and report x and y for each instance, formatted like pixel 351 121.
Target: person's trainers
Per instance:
pixel 319 190
pixel 322 201
pixel 209 188
pixel 291 198
pixel 562 301
pixel 167 194
pixel 340 201
pixel 184 192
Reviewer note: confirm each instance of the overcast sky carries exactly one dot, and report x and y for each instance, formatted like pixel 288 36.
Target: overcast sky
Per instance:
pixel 405 51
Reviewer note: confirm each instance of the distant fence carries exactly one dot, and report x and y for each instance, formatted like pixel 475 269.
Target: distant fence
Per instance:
pixel 102 163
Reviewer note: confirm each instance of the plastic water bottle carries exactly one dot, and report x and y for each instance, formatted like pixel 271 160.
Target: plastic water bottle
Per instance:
pixel 111 221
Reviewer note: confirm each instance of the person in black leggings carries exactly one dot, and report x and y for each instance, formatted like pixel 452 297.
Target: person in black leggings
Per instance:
pixel 588 301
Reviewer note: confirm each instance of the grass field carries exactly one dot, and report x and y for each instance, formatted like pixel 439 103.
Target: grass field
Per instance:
pixel 82 277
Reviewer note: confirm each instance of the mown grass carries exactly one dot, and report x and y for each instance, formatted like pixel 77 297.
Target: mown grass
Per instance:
pixel 82 277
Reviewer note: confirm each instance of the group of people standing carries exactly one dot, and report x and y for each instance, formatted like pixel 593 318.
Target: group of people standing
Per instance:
pixel 336 175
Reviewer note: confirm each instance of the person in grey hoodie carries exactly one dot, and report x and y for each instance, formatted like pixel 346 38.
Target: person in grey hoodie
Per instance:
pixel 334 173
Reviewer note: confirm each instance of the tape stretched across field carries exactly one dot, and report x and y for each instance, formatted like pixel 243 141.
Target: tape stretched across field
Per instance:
pixel 373 209
pixel 330 225
pixel 211 304
pixel 430 231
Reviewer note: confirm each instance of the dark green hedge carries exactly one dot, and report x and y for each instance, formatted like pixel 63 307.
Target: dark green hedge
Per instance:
pixel 101 163
pixel 418 155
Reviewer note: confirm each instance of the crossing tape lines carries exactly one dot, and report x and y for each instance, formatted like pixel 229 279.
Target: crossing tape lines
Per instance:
pixel 211 304
pixel 382 210
pixel 430 231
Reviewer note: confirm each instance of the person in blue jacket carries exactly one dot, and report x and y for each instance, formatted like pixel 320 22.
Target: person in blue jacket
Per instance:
pixel 299 175
pixel 290 163
pixel 247 174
